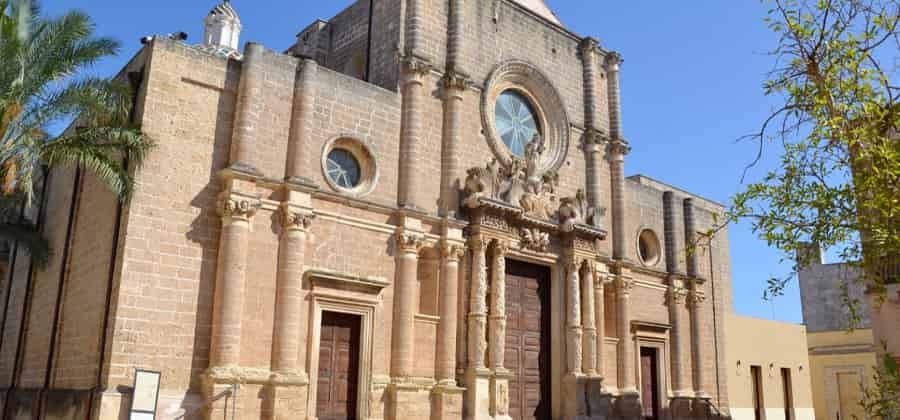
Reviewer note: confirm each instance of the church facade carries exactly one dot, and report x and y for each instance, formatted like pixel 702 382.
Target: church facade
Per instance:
pixel 417 211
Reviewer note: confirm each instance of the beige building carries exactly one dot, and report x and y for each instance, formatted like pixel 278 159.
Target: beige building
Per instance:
pixel 768 370
pixel 419 211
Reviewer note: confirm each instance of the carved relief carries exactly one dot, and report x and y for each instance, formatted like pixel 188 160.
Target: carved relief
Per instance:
pixel 572 288
pixel 503 398
pixel 237 207
pixel 575 210
pixel 294 219
pixel 496 222
pixel 534 239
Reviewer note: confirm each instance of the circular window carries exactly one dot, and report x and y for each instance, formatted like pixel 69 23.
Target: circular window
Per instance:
pixel 518 103
pixel 648 247
pixel 343 168
pixel 516 121
pixel 349 167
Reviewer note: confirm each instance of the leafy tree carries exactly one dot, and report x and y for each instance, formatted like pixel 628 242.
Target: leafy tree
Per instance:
pixel 837 131
pixel 42 60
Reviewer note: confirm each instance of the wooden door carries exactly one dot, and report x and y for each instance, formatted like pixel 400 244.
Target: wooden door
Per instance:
pixel 756 391
pixel 850 396
pixel 528 340
pixel 337 388
pixel 649 383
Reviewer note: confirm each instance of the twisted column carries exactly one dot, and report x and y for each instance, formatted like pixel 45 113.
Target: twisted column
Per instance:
pixel 225 346
pixel 573 318
pixel 287 352
pixel 497 342
pixel 446 334
pixel 624 285
pixel 403 340
pixel 477 304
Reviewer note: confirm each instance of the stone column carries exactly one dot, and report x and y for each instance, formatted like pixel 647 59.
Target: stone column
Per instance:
pixel 454 87
pixel 616 151
pixel 600 275
pixel 613 61
pixel 228 306
pixel 289 379
pixel 497 341
pixel 447 329
pixel 624 285
pixel 690 237
pixel 478 377
pixel 676 298
pixel 594 139
pixel 589 339
pixel 405 288
pixel 477 304
pixel 301 118
pixel 248 110
pixel 411 132
pixel 573 319
pixel 286 341
pixel 697 298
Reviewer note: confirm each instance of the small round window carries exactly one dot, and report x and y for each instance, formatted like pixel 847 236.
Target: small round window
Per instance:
pixel 343 168
pixel 648 247
pixel 517 122
pixel 349 166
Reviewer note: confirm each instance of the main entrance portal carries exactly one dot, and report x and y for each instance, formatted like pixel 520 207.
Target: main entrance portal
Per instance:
pixel 528 340
pixel 338 367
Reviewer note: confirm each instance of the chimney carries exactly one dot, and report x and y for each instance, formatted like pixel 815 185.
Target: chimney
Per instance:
pixel 222 27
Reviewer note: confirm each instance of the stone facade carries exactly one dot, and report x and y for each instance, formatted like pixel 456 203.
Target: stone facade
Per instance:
pixel 218 270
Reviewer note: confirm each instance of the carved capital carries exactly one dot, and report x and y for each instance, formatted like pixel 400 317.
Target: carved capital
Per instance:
pixel 455 81
pixel 594 137
pixel 452 253
pixel 696 298
pixel 409 243
pixel 676 295
pixel 293 219
pixel 624 285
pixel 499 247
pixel 588 45
pixel 238 207
pixel 414 68
pixel 613 61
pixel 618 147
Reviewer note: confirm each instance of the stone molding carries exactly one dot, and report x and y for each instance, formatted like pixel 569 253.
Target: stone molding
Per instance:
pixel 259 376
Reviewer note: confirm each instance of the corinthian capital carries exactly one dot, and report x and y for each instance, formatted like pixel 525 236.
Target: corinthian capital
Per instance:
pixel 408 242
pixel 624 284
pixel 455 81
pixel 613 61
pixel 587 45
pixel 294 219
pixel 238 207
pixel 416 67
pixel 697 297
pixel 452 252
pixel 618 147
pixel 676 295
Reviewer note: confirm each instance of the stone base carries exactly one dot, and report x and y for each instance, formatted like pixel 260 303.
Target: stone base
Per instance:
pixel 628 405
pixel 575 400
pixel 478 395
pixel 288 401
pixel 681 408
pixel 599 403
pixel 447 402
pixel 500 395
pixel 408 401
pixel 254 393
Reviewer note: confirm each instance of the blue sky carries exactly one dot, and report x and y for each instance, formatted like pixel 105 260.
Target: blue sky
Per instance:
pixel 691 85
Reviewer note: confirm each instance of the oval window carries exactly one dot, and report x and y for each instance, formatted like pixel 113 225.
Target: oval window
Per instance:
pixel 648 247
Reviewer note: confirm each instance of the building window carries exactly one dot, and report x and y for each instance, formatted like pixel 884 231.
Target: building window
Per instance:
pixel 787 388
pixel 349 166
pixel 343 168
pixel 648 247
pixel 517 122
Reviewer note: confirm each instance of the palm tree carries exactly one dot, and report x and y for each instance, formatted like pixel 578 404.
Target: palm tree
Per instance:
pixel 41 59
